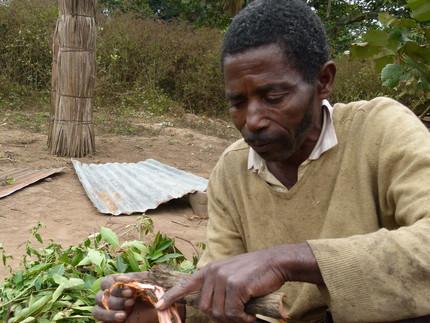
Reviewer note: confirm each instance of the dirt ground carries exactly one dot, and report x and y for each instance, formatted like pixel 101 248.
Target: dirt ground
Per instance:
pixel 61 203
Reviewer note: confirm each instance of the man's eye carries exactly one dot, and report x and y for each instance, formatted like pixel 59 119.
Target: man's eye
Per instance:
pixel 274 99
pixel 236 104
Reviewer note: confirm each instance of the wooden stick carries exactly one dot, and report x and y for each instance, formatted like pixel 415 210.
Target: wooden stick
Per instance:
pixel 269 305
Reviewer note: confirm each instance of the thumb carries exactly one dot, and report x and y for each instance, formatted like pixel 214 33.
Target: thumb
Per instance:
pixel 188 285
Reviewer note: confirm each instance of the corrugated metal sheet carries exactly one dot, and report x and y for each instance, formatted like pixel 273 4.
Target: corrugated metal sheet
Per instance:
pixel 126 188
pixel 13 179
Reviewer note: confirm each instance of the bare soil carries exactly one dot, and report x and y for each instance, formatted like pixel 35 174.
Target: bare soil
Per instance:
pixel 61 203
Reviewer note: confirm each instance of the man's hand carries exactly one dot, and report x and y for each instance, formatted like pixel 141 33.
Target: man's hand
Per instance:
pixel 226 285
pixel 121 304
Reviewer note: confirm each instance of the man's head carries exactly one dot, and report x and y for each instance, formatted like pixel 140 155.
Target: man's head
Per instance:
pixel 276 74
pixel 291 24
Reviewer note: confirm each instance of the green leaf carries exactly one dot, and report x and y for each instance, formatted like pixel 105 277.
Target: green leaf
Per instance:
pixel 87 242
pixel 74 283
pixel 186 265
pixel 38 237
pixel 59 270
pixel 85 262
pixel 386 19
pixel 35 307
pixel 420 9
pixel 144 265
pixel 391 75
pixel 109 236
pixel 37 268
pixel 376 38
pixel 56 294
pixel 140 245
pixel 18 277
pixel 381 62
pixel 95 287
pixel 156 255
pixel 96 257
pixel 37 283
pixel 134 264
pixel 59 279
pixel 89 281
pixel 168 257
pixel 363 50
pixel 416 52
pixel 120 265
pixel 78 257
pixel 164 245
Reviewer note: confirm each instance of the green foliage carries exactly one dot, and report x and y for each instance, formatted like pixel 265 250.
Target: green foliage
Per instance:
pixel 58 283
pixel 346 20
pixel 208 13
pixel 26 29
pixel 147 66
pixel 157 65
pixel 401 52
pixel 7 180
pixel 357 80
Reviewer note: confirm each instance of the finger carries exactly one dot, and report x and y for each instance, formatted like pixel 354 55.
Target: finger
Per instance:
pixel 102 314
pixel 212 298
pixel 114 303
pixel 188 285
pixel 235 305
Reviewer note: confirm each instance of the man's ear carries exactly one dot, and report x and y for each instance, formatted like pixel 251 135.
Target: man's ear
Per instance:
pixel 325 79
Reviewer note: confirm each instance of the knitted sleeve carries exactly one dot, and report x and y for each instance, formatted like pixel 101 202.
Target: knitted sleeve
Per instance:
pixel 384 275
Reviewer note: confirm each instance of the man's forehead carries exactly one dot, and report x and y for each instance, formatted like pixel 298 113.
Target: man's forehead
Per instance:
pixel 274 47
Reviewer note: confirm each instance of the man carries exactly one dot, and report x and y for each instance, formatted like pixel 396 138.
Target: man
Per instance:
pixel 332 205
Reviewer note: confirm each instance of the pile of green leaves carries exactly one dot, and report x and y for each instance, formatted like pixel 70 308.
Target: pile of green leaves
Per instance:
pixel 59 284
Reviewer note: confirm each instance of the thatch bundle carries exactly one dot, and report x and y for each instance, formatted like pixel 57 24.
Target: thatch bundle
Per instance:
pixel 73 76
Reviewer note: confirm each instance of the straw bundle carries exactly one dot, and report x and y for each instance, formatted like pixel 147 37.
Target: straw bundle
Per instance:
pixel 71 131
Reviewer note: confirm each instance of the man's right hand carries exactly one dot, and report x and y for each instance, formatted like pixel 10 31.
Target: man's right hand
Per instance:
pixel 122 306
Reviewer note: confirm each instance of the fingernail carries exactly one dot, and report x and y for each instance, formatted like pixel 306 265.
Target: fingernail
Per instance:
pixel 159 304
pixel 120 316
pixel 129 302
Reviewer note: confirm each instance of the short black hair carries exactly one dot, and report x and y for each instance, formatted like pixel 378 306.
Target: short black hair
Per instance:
pixel 289 23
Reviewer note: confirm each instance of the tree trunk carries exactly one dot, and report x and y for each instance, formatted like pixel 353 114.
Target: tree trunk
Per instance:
pixel 71 131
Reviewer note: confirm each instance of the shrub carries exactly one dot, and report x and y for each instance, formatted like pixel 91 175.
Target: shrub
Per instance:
pixel 26 29
pixel 357 80
pixel 146 56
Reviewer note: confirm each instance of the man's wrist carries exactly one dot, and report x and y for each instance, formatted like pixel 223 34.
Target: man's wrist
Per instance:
pixel 298 263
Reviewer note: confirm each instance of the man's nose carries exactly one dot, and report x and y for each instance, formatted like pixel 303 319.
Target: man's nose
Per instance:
pixel 256 116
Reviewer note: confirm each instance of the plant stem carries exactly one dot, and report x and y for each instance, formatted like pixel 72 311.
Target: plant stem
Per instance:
pixel 424 113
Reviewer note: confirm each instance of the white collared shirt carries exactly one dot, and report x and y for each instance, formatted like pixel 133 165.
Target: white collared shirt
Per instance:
pixel 326 141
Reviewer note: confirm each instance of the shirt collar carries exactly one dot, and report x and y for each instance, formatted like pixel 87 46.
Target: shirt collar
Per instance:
pixel 326 140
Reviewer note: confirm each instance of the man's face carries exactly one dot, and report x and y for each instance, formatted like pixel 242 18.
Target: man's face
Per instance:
pixel 270 103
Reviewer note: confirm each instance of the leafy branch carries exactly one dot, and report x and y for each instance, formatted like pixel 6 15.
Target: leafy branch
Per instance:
pixel 401 53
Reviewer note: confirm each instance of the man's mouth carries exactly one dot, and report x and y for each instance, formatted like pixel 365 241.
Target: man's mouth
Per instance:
pixel 261 147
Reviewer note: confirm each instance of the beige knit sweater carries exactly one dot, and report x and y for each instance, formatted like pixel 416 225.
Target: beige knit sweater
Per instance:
pixel 349 206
